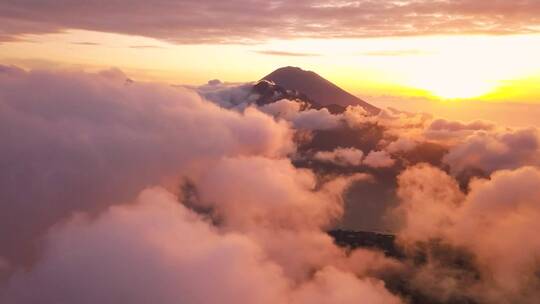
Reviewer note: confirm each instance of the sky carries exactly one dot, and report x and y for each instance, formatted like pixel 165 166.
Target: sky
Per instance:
pixel 387 52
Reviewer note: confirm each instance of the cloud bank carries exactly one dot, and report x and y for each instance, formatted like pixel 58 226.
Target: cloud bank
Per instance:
pixel 123 191
pixel 492 226
pixel 95 178
pixel 80 142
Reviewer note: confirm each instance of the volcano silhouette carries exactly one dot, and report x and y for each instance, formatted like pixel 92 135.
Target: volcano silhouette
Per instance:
pixel 316 88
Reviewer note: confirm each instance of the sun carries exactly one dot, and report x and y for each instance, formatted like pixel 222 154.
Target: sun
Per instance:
pixel 448 86
pixel 457 89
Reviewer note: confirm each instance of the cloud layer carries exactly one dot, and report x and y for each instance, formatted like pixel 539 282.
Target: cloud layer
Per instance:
pixel 129 192
pixel 80 142
pixel 82 148
pixel 491 229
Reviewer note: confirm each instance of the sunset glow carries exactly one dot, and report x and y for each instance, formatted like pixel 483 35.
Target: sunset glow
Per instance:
pixel 269 152
pixel 444 67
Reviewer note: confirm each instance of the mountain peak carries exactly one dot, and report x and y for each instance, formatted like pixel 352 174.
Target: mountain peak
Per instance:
pixel 316 88
pixel 291 69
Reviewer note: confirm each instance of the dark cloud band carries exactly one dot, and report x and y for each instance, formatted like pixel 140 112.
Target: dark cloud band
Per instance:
pixel 242 21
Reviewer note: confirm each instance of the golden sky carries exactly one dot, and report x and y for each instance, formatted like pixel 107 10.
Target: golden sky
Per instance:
pixel 502 68
pixel 439 50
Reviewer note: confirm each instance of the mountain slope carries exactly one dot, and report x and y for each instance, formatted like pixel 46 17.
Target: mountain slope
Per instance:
pixel 316 88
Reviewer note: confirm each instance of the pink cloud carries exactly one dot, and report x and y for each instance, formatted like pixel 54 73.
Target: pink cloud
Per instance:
pixel 241 21
pixel 492 228
pixel 81 142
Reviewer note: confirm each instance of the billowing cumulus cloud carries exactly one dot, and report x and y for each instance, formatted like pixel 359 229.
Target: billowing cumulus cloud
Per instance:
pixel 283 207
pixel 341 156
pixel 157 250
pixel 353 157
pixel 429 196
pixel 379 159
pixel 243 21
pixel 402 144
pixel 503 214
pixel 74 141
pixel 445 130
pixel 281 193
pixel 129 192
pixel 491 151
pixel 154 251
pixel 333 286
pixel 81 148
pixel 490 230
pixel 311 119
pixel 395 124
pixel 227 95
pixel 443 124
